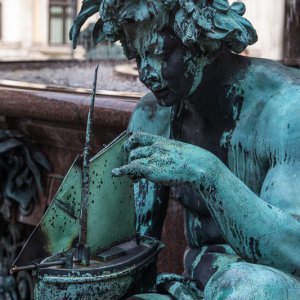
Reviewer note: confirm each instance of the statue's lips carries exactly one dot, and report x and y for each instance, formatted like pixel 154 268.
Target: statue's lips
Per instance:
pixel 163 93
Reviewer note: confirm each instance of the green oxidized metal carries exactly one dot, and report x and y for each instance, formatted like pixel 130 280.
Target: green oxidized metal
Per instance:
pixel 101 280
pixel 230 152
pixel 118 261
pixel 111 214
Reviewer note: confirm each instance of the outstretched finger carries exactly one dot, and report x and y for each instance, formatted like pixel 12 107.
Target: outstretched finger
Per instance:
pixel 141 152
pixel 140 139
pixel 137 169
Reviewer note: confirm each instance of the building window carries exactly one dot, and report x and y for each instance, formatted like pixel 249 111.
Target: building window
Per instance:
pixel 61 14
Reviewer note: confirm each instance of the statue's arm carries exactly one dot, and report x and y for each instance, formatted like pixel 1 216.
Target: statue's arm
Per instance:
pixel 264 228
pixel 258 231
pixel 260 228
pixel 151 199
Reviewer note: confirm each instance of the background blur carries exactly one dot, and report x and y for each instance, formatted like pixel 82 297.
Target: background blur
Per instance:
pixel 38 29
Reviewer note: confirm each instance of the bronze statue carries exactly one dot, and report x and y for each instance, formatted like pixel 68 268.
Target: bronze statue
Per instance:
pixel 220 129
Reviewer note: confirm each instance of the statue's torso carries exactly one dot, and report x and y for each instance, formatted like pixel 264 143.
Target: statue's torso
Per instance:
pixel 263 107
pixel 249 148
pixel 231 145
pixel 247 144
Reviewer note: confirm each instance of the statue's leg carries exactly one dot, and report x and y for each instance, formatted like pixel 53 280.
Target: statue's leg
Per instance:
pixel 244 281
pixel 202 264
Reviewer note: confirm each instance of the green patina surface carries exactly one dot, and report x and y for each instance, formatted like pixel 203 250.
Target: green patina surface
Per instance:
pixel 198 24
pixel 87 287
pixel 93 282
pixel 111 214
pixel 237 166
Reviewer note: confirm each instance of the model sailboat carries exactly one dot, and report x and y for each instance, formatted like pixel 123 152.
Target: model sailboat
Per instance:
pixel 86 242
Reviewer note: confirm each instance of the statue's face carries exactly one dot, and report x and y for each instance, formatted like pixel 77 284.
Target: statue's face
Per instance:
pixel 165 65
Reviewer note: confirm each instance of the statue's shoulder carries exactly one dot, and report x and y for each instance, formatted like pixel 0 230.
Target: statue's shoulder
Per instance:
pixel 279 108
pixel 271 106
pixel 273 86
pixel 150 117
pixel 274 75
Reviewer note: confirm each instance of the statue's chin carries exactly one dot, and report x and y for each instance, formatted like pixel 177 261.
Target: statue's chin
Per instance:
pixel 166 100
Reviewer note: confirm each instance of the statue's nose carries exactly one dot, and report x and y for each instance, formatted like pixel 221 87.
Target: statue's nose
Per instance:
pixel 149 76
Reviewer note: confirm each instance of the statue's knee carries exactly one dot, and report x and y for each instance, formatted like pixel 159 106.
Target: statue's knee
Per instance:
pixel 246 281
pixel 234 281
pixel 224 282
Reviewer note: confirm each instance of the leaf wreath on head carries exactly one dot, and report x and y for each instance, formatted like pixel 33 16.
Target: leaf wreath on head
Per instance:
pixel 198 22
pixel 210 24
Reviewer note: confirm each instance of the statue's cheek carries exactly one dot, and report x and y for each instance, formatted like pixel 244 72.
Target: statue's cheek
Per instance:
pixel 194 71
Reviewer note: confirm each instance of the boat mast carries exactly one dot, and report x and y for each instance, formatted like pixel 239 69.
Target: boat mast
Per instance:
pixel 83 248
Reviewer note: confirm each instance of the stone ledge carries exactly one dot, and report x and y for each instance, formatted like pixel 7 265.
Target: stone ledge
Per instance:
pixel 64 108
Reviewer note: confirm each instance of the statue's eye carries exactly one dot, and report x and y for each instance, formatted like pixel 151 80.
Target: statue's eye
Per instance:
pixel 166 54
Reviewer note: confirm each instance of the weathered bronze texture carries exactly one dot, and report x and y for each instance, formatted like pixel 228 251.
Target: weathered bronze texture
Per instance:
pixel 85 169
pixel 112 279
pixel 54 118
pixel 220 130
pixel 55 122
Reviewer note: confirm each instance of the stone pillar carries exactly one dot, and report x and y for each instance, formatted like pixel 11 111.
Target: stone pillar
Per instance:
pixel 292 33
pixel 41 22
pixel 17 22
pixel 267 17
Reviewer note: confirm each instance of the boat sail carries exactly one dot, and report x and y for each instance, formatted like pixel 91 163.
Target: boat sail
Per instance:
pixel 111 212
pixel 86 246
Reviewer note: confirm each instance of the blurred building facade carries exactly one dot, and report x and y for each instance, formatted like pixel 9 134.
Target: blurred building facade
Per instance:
pixel 39 28
pixel 267 17
pixel 36 29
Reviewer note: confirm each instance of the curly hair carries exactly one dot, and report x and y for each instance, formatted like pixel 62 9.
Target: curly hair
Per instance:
pixel 204 23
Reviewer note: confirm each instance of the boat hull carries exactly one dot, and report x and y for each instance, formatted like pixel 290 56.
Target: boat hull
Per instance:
pixel 112 280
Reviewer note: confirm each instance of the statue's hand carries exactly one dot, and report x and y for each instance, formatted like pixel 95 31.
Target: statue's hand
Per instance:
pixel 166 161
